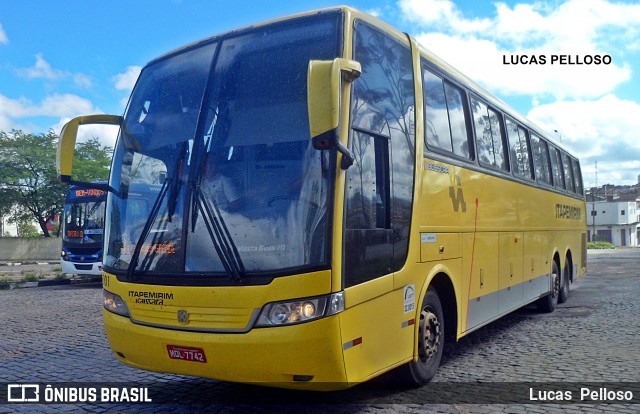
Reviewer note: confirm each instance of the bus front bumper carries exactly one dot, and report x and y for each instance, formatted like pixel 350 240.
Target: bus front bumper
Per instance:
pixel 79 268
pixel 303 356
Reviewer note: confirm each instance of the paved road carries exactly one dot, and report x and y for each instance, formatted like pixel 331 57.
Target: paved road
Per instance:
pixel 55 335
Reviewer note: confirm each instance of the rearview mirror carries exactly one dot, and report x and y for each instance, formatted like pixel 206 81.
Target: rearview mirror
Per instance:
pixel 67 143
pixel 325 82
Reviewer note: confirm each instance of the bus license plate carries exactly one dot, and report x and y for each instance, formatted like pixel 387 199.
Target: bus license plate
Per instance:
pixel 186 353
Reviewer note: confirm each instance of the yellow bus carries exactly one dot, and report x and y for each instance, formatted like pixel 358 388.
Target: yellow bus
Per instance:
pixel 332 202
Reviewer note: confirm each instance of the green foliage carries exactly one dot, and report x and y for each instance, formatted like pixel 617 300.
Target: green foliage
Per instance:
pixel 28 178
pixel 600 245
pixel 26 229
pixel 92 161
pixel 30 276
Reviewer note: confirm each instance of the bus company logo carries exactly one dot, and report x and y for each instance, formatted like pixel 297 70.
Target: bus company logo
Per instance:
pixel 183 316
pixel 74 393
pixel 150 298
pixel 568 212
pixel 23 393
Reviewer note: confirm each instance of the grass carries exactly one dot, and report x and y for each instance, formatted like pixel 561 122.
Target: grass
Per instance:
pixel 30 276
pixel 600 245
pixel 15 279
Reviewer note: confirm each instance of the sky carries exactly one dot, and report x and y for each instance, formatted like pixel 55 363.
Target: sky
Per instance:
pixel 572 67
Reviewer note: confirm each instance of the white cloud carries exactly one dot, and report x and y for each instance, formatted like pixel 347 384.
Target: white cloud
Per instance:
pixel 14 112
pixel 576 27
pixel 64 105
pixel 377 12
pixel 603 130
pixel 43 70
pixel 19 114
pixel 4 39
pixel 483 61
pixel 106 134
pixel 441 14
pixel 593 123
pixel 127 80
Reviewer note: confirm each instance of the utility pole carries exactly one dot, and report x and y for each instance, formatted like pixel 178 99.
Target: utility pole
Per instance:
pixel 593 207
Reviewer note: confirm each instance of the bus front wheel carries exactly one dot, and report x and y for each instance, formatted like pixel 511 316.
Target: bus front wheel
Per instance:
pixel 431 337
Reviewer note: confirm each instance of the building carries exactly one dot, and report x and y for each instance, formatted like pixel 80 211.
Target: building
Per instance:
pixel 7 229
pixel 614 221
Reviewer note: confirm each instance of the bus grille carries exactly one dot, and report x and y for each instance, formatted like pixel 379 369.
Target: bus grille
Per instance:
pixel 197 319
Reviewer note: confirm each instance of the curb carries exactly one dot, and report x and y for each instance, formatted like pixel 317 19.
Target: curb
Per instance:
pixel 43 262
pixel 52 282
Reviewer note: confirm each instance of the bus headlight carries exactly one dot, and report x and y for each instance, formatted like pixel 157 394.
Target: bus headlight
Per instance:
pixel 114 303
pixel 301 310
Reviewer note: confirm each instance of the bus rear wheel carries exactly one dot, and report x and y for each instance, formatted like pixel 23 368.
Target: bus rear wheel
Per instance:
pixel 431 337
pixel 566 280
pixel 549 302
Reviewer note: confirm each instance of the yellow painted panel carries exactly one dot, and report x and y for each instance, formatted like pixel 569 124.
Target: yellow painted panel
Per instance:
pixel 269 356
pixel 376 334
pixel 533 255
pixel 439 246
pixel 213 307
pixel 511 253
pixel 482 263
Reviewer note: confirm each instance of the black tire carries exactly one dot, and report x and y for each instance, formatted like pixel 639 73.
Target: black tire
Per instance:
pixel 431 336
pixel 548 303
pixel 566 280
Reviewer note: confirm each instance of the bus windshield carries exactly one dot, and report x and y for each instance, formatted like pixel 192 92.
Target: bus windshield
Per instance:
pixel 220 131
pixel 83 222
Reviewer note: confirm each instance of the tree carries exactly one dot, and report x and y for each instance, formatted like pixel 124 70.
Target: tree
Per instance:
pixel 92 161
pixel 28 179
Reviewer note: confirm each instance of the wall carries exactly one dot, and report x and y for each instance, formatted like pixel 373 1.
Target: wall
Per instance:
pixel 609 213
pixel 18 249
pixel 630 233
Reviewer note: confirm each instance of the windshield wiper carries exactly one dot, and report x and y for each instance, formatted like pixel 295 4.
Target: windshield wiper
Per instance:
pixel 147 227
pixel 171 185
pixel 219 234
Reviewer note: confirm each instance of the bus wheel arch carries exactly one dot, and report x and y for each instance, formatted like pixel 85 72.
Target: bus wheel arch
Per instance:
pixel 437 323
pixel 446 292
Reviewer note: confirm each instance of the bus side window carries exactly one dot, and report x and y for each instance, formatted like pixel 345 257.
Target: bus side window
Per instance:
pixel 445 117
pixel 540 151
pixel 437 131
pixel 519 150
pixel 489 137
pixel 577 175
pixel 568 173
pixel 556 167
pixel 382 140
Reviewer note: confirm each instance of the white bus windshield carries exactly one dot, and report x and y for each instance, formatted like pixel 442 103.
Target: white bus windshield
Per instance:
pixel 83 222
pixel 222 127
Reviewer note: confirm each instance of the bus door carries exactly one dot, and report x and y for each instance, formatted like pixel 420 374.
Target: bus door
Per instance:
pixel 377 210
